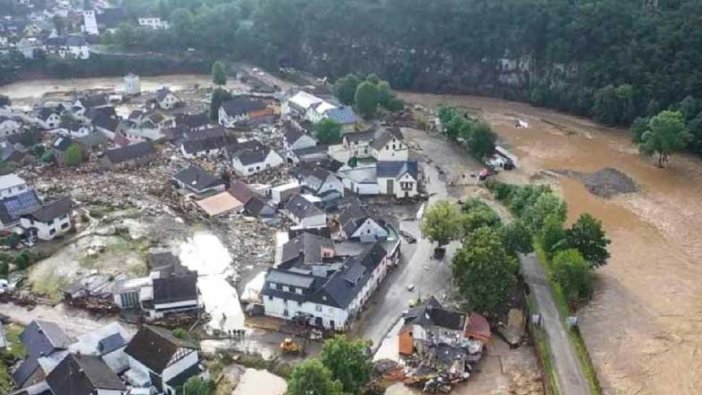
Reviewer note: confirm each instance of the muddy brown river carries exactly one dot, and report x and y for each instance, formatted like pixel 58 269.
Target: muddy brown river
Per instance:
pixel 644 325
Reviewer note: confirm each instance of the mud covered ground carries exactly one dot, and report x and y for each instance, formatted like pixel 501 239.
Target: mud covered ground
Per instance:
pixel 644 326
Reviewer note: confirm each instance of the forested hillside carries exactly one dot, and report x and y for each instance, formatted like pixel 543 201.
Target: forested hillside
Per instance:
pixel 610 59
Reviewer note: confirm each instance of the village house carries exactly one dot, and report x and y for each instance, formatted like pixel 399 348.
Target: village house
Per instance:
pixel 327 295
pixel 9 126
pixel 132 85
pixel 193 122
pixel 173 287
pixel 108 343
pixel 243 109
pixel 358 144
pixel 356 223
pixel 362 180
pixel 51 220
pixel 251 157
pixel 45 344
pixel 303 105
pixel 159 360
pixel 74 128
pixel 343 116
pixel 299 104
pixel 198 181
pixel 153 22
pixel 48 118
pixel 241 191
pixel 305 213
pixel 165 99
pixel 398 178
pixel 11 185
pixel 296 138
pixel 389 145
pixel 11 208
pixel 259 207
pixel 205 143
pixel 320 182
pixel 79 374
pixel 90 25
pixel 131 155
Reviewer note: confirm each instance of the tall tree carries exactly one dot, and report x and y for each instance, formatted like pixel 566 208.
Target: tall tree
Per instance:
pixel 219 96
pixel 476 214
pixel 481 141
pixel 545 206
pixel 366 99
pixel 441 222
pixel 666 134
pixel 552 236
pixel 328 131
pixel 517 238
pixel 348 361
pixel 345 89
pixel 483 271
pixel 219 74
pixel 313 378
pixel 572 272
pixel 587 236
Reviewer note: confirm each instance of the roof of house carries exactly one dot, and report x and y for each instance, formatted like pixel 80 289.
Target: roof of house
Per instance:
pixel 111 17
pixel 193 120
pixel 342 115
pixel 478 327
pixel 367 135
pixel 241 191
pixel 215 137
pixel 13 207
pixel 75 41
pixel 288 278
pixel 301 208
pixel 385 136
pixel 82 375
pixel 103 119
pixel 154 347
pixel 197 179
pixel 96 100
pixel 40 338
pixel 257 206
pixel 130 152
pixel 312 177
pixel 292 134
pixel 395 169
pixel 175 288
pixel 219 204
pixel 49 211
pixel 93 139
pixel 305 249
pixel 243 105
pixel 304 100
pixel 431 313
pixel 162 93
pixel 45 112
pixel 249 152
pixel 352 217
pixel 11 180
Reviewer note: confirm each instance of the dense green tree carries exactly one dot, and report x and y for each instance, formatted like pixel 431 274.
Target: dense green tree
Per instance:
pixel 441 222
pixel 572 272
pixel 552 236
pixel 366 99
pixel 328 131
pixel 481 141
pixel 219 74
pixel 73 155
pixel 587 236
pixel 345 89
pixel 517 238
pixel 638 128
pixel 546 205
pixel 198 386
pixel 313 378
pixel 476 214
pixel 348 361
pixel 219 96
pixel 483 271
pixel 666 134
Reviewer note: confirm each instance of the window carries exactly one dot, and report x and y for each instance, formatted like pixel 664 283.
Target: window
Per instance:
pixel 272 285
pixel 298 291
pixel 52 231
pixel 285 288
pixel 64 226
pixel 318 308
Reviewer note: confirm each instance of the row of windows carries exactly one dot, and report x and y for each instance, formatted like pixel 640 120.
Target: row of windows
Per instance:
pixel 286 288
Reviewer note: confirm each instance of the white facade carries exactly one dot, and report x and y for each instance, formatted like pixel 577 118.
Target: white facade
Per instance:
pixel 168 102
pixel 51 122
pixel 393 150
pixel 81 52
pixel 359 149
pixel 90 25
pixel 152 22
pixel 369 229
pixel 50 230
pixel 272 160
pixel 11 185
pixel 9 127
pixel 305 141
pixel 182 360
pixel 229 121
pixel 404 186
pixel 132 84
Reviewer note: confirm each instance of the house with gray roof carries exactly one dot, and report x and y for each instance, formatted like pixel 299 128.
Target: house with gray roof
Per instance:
pixel 50 220
pixel 251 157
pixel 320 182
pixel 196 180
pixel 307 249
pixel 327 294
pixel 130 155
pixel 166 99
pixel 356 223
pixel 305 213
pixel 11 208
pixel 389 145
pixel 206 142
pixel 79 374
pixel 398 178
pixel 46 344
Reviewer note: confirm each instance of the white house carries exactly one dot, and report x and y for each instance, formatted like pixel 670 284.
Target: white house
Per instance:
pixel 108 343
pixel 389 145
pixel 132 84
pixel 304 213
pixel 362 180
pixel 294 139
pixel 356 223
pixel 358 144
pixel 299 104
pixel 153 22
pixel 252 157
pixel 327 295
pixel 205 143
pixel 399 178
pixel 166 99
pixel 48 118
pixel 159 360
pixel 90 25
pixel 319 181
pixel 27 46
pixel 50 220
pixel 241 109
pixel 11 185
pixel 9 126
pixel 79 374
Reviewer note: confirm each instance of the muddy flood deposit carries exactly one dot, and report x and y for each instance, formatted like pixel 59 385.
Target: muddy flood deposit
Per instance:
pixel 644 326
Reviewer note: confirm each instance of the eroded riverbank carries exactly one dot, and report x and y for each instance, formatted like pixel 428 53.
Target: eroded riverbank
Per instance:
pixel 643 326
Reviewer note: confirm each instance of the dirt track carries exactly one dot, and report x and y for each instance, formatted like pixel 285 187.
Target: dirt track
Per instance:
pixel 643 328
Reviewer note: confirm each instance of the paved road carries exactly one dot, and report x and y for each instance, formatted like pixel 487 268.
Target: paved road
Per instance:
pixel 571 380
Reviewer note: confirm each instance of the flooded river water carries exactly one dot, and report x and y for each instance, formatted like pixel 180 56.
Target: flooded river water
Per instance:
pixel 644 326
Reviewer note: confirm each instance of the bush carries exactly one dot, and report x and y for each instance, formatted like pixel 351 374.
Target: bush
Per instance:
pixel 23 260
pixel 572 272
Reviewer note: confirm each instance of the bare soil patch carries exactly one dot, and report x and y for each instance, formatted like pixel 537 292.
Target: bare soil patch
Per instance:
pixel 605 183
